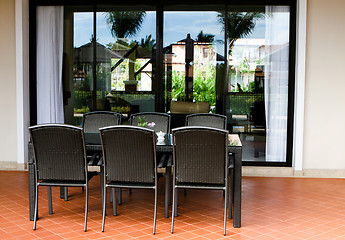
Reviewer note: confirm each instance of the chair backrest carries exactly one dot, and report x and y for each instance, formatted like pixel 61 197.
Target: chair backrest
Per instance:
pixel 207 120
pixel 161 120
pixel 200 155
pixel 59 152
pixel 93 121
pixel 129 154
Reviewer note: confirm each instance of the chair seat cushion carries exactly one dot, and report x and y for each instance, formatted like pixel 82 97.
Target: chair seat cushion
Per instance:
pixel 130 184
pixel 200 185
pixel 67 183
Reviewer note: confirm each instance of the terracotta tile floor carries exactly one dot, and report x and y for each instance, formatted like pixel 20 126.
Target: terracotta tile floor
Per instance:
pixel 273 208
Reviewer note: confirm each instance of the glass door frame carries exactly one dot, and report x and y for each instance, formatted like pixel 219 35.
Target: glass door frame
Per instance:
pixel 158 86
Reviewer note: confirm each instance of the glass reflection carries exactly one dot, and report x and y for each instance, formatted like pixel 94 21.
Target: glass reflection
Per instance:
pixel 258 80
pixel 194 56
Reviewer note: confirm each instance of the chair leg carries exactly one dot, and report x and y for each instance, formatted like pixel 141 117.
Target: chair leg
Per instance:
pixel 113 194
pixel 178 198
pixel 86 206
pixel 225 204
pixel 66 193
pixel 36 206
pixel 120 197
pixel 173 209
pixel 231 196
pixel 102 179
pixel 50 203
pixel 104 201
pixel 177 201
pixel 155 212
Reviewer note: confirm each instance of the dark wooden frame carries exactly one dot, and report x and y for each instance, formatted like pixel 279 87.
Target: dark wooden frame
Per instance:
pixel 158 86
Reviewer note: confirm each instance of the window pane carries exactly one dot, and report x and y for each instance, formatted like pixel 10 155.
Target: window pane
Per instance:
pixel 126 42
pixel 194 55
pixel 83 64
pixel 128 39
pixel 257 99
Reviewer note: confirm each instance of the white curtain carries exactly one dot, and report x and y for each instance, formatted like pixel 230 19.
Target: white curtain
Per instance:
pixel 276 81
pixel 49 64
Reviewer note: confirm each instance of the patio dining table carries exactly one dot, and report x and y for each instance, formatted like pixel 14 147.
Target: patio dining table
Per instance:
pixel 93 143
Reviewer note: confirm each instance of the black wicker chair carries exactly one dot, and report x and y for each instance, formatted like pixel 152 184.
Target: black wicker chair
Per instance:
pixel 207 120
pixel 161 120
pixel 93 121
pixel 200 156
pixel 162 124
pixel 59 160
pixel 129 158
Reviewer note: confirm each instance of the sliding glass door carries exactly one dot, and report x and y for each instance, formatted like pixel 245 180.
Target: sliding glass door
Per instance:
pixel 239 59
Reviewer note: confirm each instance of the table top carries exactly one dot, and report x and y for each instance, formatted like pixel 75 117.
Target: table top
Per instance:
pixel 94 139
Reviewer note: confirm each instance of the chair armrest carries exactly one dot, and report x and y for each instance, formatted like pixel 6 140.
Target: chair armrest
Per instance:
pixel 165 161
pixel 92 160
pixel 170 161
pixel 100 162
pixel 162 161
pixel 231 161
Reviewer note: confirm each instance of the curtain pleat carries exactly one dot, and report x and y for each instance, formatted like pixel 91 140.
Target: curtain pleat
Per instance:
pixel 49 64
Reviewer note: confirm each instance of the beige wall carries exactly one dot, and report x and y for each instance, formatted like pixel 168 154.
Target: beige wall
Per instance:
pixel 8 122
pixel 324 136
pixel 324 133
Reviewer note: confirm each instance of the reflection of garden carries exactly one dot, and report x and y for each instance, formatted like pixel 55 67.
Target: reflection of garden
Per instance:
pixel 126 59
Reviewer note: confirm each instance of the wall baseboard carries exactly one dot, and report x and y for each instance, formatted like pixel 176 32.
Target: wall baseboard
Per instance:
pixel 290 172
pixel 267 171
pixel 246 171
pixel 13 166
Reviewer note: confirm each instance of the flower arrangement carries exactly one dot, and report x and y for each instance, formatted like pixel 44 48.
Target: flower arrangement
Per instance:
pixel 143 123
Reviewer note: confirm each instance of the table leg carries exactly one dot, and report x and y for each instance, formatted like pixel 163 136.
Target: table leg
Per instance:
pixel 237 188
pixel 167 190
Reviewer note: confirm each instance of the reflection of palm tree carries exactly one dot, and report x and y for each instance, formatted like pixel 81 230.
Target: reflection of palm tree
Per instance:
pixel 148 42
pixel 239 24
pixel 204 37
pixel 125 24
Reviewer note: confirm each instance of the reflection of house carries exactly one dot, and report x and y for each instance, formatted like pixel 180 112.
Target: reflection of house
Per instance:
pixel 83 60
pixel 203 52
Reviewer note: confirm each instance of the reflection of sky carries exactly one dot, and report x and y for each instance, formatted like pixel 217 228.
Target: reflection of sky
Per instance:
pixel 83 28
pixel 176 27
pixel 103 29
pixel 178 24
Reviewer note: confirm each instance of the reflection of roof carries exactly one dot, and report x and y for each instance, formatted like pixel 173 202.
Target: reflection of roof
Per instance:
pixel 84 53
pixel 168 49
